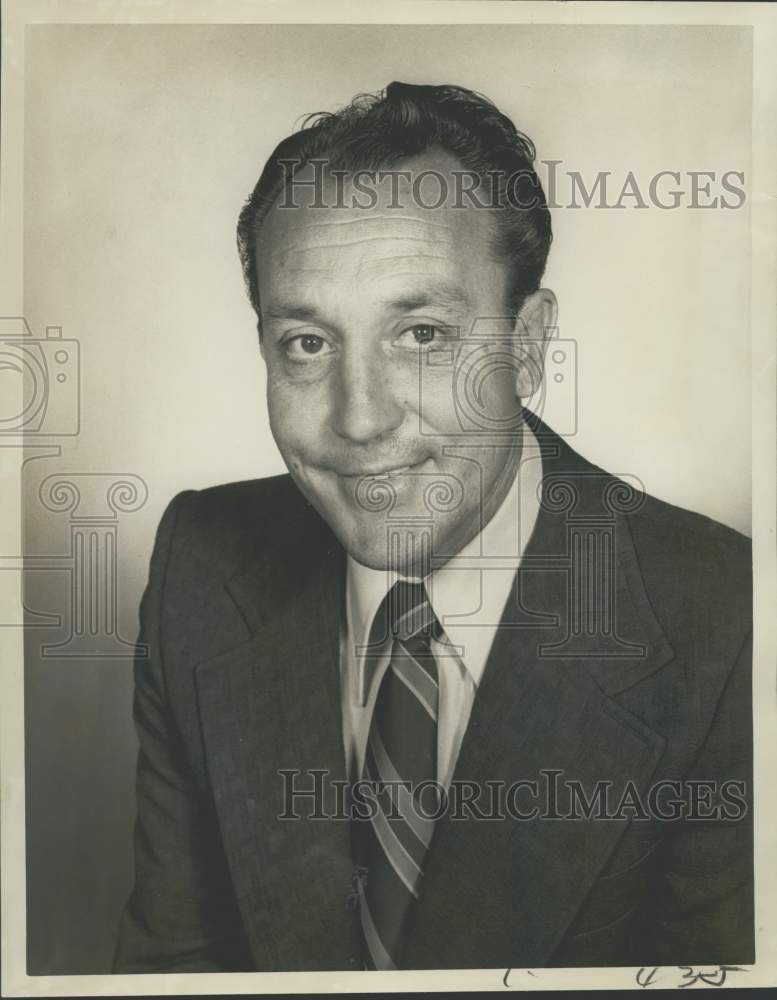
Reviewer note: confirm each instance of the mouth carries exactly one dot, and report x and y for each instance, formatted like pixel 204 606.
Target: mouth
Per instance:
pixel 385 471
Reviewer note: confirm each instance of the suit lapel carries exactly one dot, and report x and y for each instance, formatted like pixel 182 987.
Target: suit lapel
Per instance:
pixel 545 704
pixel 271 706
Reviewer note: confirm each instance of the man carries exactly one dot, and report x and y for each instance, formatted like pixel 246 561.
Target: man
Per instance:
pixel 442 597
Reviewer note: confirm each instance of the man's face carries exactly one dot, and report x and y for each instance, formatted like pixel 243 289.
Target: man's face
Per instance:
pixel 387 372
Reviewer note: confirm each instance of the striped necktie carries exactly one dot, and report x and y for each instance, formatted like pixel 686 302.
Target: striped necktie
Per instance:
pixel 401 747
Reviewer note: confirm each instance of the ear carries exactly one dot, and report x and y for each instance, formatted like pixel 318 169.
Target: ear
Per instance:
pixel 534 326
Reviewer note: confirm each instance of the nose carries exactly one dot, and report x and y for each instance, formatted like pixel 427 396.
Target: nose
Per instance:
pixel 365 404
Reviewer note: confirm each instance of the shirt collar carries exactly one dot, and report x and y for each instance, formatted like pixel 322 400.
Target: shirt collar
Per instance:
pixel 469 593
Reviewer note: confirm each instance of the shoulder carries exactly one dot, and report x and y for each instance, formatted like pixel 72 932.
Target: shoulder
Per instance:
pixel 663 532
pixel 219 525
pixel 693 568
pixel 694 540
pixel 697 571
pixel 238 503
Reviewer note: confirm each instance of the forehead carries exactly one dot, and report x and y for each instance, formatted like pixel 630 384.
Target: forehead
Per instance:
pixel 378 228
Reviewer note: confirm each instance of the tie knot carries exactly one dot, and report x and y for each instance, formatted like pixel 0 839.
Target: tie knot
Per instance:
pixel 408 612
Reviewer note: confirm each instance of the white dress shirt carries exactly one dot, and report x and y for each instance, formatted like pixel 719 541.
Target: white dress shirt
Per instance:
pixel 468 595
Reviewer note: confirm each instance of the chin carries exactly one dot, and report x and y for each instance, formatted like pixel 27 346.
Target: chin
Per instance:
pixel 392 548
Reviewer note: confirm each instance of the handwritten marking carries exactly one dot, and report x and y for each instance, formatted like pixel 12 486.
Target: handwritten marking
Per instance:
pixel 506 977
pixel 710 976
pixel 715 978
pixel 649 975
pixel 645 980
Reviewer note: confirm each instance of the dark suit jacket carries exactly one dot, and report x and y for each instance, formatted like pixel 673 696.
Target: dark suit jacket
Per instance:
pixel 640 675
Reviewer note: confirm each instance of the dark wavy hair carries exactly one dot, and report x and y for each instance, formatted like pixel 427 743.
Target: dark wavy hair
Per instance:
pixel 377 130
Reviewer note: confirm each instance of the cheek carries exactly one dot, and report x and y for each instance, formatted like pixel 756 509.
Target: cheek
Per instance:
pixel 500 393
pixel 296 413
pixel 436 403
pixel 278 412
pixel 487 398
pixel 474 392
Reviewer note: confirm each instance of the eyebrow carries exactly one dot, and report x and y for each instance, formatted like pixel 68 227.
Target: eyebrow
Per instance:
pixel 437 295
pixel 288 310
pixel 433 295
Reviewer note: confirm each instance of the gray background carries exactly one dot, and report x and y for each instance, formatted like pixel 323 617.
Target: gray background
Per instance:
pixel 141 143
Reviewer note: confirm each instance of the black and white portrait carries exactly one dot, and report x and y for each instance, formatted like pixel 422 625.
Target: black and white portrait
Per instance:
pixel 389 439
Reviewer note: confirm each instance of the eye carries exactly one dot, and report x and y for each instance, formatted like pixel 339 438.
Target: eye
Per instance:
pixel 420 335
pixel 306 346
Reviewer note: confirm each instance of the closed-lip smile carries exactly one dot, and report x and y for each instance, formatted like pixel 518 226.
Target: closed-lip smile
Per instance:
pixel 383 471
